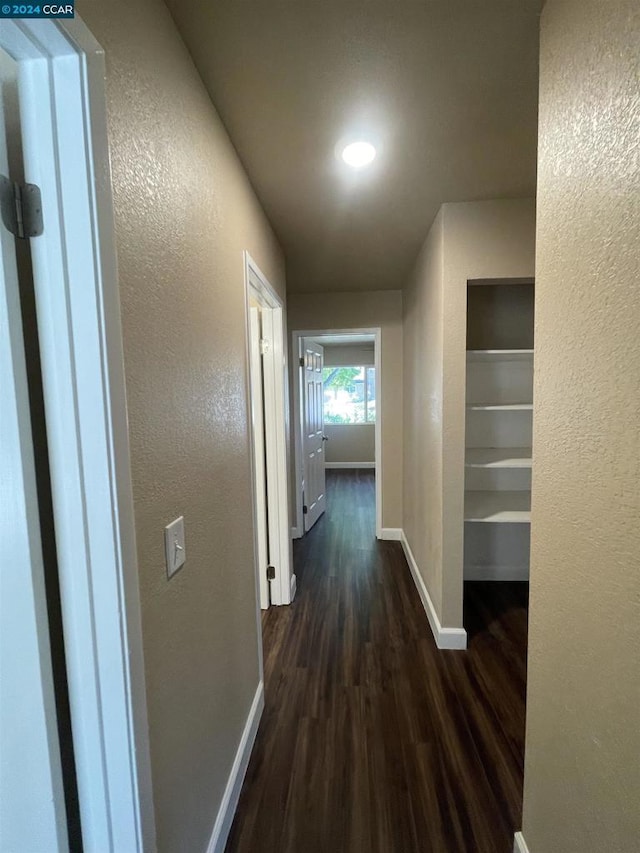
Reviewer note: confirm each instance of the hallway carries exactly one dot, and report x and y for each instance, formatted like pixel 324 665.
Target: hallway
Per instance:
pixel 371 738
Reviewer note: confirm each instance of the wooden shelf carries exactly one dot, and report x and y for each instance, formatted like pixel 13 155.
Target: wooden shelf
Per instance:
pixel 499 354
pixel 498 507
pixel 501 407
pixel 498 457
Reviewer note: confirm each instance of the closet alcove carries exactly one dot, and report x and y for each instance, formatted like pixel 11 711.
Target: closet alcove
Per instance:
pixel 498 434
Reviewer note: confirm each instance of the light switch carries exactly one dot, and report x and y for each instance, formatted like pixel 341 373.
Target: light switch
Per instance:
pixel 174 546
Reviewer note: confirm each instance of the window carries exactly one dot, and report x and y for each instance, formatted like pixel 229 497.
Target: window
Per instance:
pixel 349 395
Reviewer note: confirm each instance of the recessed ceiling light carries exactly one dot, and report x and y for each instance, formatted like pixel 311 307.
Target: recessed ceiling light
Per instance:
pixel 358 154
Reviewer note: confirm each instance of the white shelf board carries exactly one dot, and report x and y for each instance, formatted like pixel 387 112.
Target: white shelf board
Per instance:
pixel 501 407
pixel 502 507
pixel 498 457
pixel 499 354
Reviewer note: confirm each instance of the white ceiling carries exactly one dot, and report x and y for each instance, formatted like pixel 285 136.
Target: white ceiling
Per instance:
pixel 447 90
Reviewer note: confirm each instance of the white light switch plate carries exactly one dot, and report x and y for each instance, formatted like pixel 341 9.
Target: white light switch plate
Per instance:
pixel 174 546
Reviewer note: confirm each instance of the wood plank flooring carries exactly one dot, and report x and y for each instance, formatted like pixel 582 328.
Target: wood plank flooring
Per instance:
pixel 372 739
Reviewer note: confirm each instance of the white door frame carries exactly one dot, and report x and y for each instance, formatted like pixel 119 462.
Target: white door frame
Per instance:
pixel 274 366
pixel 259 478
pixel 64 128
pixel 298 530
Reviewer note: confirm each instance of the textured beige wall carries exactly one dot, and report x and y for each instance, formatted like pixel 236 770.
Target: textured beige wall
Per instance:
pixel 422 396
pixel 482 240
pixel 184 213
pixel 476 240
pixel 350 443
pixel 318 311
pixel 582 765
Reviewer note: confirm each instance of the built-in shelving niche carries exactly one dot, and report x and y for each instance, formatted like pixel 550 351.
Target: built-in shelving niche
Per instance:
pixel 498 456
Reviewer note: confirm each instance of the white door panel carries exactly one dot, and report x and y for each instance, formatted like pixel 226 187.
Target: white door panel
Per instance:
pixel 312 431
pixel 32 811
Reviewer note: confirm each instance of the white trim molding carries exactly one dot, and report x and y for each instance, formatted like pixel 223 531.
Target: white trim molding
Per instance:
pixel 231 795
pixel 349 464
pixel 519 844
pixel 446 638
pixel 391 534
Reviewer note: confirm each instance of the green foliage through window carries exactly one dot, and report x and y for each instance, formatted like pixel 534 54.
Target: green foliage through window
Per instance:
pixel 349 395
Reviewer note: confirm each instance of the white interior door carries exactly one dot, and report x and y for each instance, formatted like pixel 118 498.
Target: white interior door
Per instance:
pixel 313 432
pixel 257 415
pixel 32 812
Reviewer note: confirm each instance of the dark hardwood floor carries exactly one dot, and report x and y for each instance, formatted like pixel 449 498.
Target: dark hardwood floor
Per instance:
pixel 372 739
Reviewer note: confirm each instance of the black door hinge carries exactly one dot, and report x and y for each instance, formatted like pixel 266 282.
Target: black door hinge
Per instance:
pixel 301 361
pixel 21 206
pixel 271 573
pixel 305 509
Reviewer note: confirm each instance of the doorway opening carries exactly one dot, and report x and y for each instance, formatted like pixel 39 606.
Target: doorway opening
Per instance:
pixel 497 506
pixel 337 416
pixel 497 501
pixel 268 423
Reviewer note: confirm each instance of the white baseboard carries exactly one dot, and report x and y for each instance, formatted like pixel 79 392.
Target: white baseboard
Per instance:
pixel 296 533
pixel 519 844
pixel 392 534
pixel 349 464
pixel 496 573
pixel 446 638
pixel 294 587
pixel 234 784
